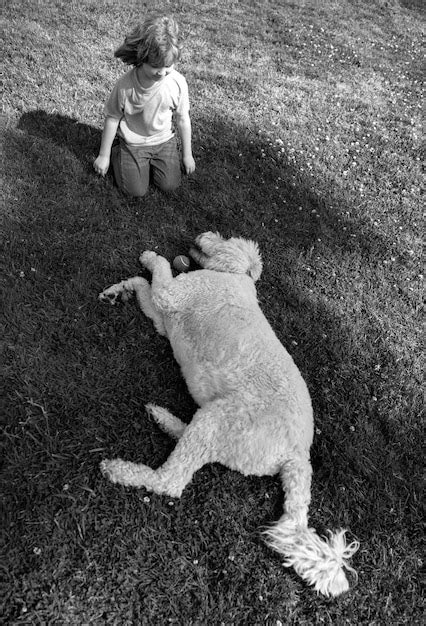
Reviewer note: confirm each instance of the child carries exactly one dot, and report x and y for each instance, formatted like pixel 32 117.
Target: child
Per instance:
pixel 141 107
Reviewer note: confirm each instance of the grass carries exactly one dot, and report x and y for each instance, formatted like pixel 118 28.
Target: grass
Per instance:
pixel 307 137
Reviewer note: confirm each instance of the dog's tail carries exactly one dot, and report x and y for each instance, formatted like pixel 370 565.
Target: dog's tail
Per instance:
pixel 320 562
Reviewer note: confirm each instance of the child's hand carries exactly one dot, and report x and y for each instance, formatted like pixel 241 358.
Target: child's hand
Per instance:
pixel 189 164
pixel 101 165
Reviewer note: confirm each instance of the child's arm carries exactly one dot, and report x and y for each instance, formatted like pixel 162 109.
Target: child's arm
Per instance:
pixel 101 163
pixel 183 123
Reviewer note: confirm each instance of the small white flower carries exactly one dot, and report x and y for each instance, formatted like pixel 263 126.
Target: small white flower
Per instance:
pixel 146 499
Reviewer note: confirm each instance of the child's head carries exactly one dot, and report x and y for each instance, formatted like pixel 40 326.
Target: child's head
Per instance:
pixel 154 42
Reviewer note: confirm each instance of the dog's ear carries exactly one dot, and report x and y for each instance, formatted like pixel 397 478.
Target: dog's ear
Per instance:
pixel 253 259
pixel 199 257
pixel 208 242
pixel 235 255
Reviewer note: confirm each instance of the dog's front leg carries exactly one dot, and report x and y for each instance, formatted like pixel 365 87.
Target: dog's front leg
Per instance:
pixel 142 289
pixel 143 293
pixel 168 293
pixel 159 268
pixel 124 290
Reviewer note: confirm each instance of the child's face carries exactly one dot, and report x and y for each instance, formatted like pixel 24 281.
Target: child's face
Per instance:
pixel 155 73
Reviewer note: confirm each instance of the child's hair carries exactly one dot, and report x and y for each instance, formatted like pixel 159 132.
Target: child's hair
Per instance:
pixel 154 42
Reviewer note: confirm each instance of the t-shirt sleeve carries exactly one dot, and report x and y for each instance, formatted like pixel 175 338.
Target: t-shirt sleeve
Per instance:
pixel 183 102
pixel 115 103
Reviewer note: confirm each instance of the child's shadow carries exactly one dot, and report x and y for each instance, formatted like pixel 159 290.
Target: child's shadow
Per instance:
pixel 81 139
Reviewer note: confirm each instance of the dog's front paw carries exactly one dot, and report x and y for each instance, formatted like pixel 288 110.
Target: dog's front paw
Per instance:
pixel 113 469
pixel 112 294
pixel 109 295
pixel 147 259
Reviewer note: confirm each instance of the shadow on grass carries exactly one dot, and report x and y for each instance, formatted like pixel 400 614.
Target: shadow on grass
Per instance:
pixel 79 231
pixel 81 139
pixel 97 365
pixel 241 187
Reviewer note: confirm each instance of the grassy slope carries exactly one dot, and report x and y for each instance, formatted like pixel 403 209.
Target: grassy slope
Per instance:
pixel 307 138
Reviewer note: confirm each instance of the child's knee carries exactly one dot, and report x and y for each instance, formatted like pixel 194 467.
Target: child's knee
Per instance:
pixel 135 193
pixel 131 177
pixel 167 181
pixel 134 186
pixel 168 186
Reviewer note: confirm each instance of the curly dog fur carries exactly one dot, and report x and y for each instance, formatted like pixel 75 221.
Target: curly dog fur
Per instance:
pixel 255 412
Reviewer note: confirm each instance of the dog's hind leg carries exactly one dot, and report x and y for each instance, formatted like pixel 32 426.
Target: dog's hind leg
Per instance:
pixel 172 425
pixel 195 448
pixel 320 562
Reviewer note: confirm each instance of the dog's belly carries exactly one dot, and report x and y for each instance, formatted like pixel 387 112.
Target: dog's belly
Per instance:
pixel 214 348
pixel 231 352
pixel 268 400
pixel 206 383
pixel 259 440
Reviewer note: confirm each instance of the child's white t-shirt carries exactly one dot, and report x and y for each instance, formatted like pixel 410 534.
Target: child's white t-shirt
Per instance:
pixel 146 114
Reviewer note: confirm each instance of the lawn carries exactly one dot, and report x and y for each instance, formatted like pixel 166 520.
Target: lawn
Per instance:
pixel 307 138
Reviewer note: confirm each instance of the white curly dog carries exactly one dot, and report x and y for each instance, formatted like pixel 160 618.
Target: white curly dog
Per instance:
pixel 255 412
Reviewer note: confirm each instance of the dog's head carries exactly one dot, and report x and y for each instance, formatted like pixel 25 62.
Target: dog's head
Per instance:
pixel 235 255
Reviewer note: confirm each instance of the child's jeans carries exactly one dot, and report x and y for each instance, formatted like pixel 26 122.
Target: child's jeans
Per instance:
pixel 133 166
